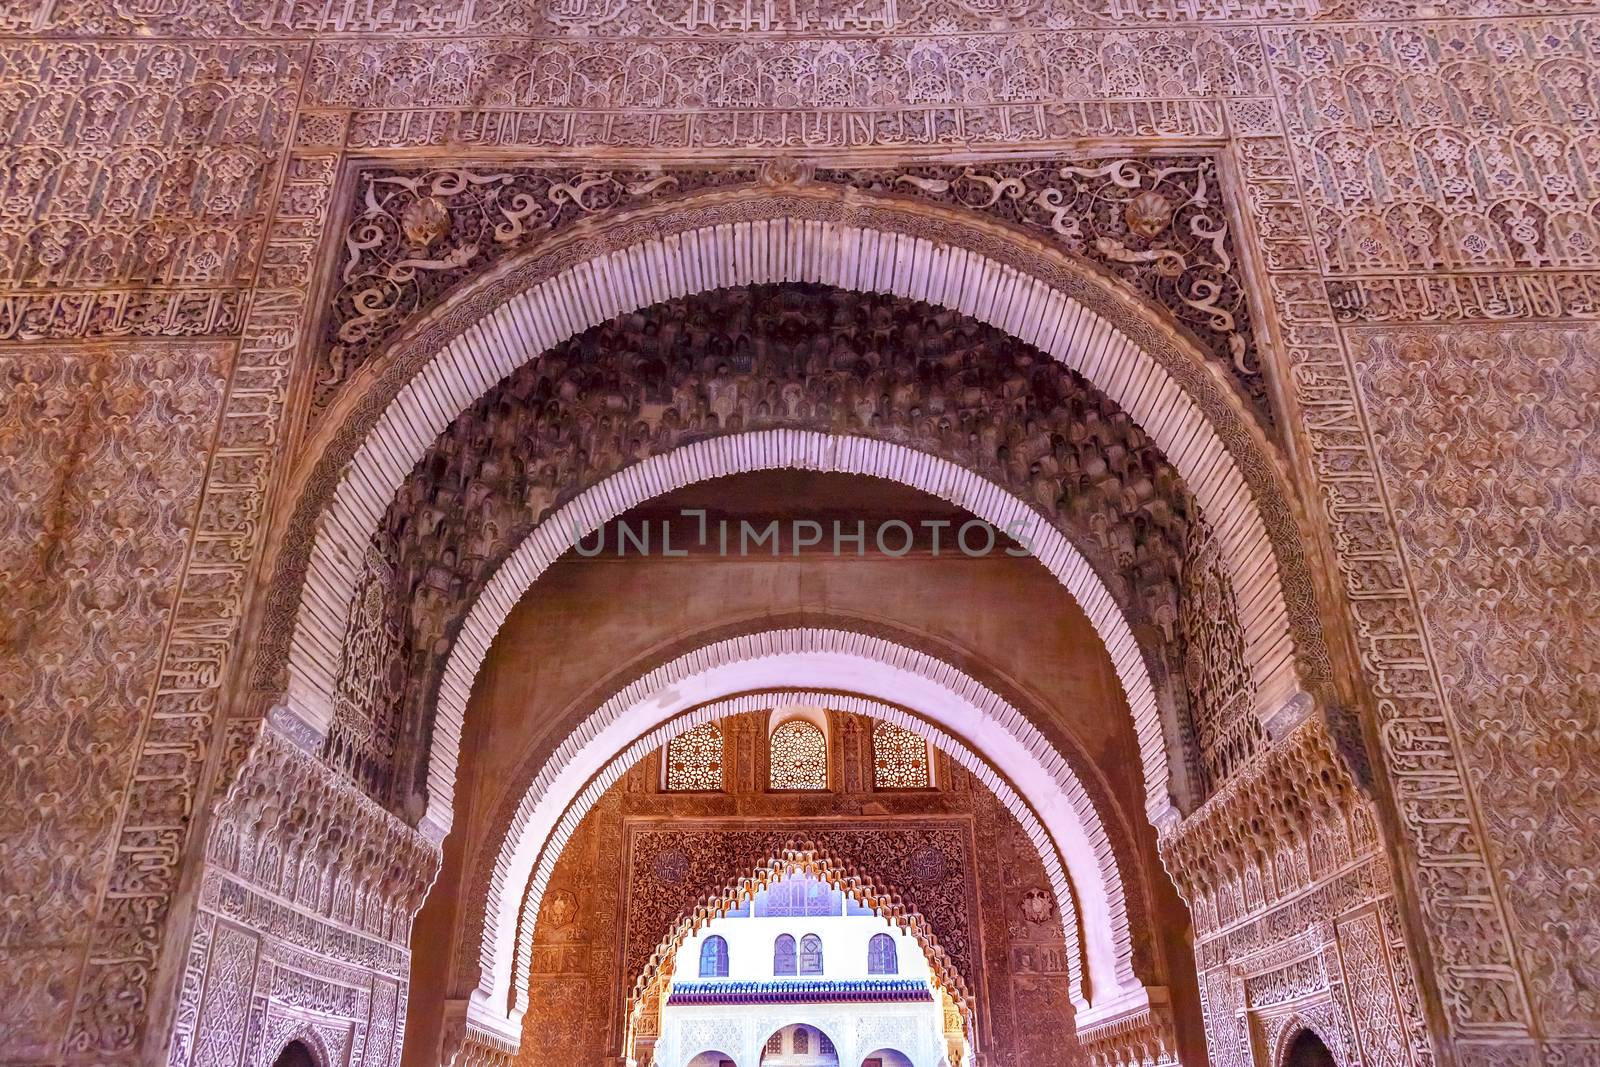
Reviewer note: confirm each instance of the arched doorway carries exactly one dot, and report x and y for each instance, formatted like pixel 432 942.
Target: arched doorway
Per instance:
pixel 796 939
pixel 295 1054
pixel 887 1057
pixel 799 1045
pixel 1306 1049
pixel 323 666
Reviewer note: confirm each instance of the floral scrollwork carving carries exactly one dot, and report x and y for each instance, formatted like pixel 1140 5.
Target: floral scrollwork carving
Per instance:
pixel 417 233
pixel 1158 224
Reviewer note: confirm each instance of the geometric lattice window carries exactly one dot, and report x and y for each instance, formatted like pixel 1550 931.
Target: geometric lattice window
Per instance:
pixel 882 956
pixel 825 1045
pixel 694 760
pixel 811 954
pixel 775 1044
pixel 799 756
pixel 783 955
pixel 899 758
pixel 798 896
pixel 714 958
pixel 802 1041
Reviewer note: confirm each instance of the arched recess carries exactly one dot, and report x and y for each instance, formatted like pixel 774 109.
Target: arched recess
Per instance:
pixel 394 408
pixel 805 858
pixel 304 1048
pixel 1301 1046
pixel 1050 858
pixel 1009 755
pixel 803 450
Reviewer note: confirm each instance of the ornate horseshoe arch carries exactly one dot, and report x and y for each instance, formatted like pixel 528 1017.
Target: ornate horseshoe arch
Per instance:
pixel 394 408
pixel 1112 869
pixel 1013 759
pixel 804 857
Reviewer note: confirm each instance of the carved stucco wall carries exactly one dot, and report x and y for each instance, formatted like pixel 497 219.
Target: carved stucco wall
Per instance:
pixel 1487 440
pixel 102 454
pixel 1353 204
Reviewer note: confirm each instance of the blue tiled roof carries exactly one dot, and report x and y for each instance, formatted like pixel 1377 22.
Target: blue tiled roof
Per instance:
pixel 792 991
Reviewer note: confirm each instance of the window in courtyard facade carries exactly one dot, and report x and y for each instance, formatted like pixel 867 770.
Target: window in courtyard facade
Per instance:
pixel 775 1044
pixel 714 958
pixel 799 757
pixel 802 1041
pixel 899 758
pixel 694 760
pixel 783 955
pixel 798 896
pixel 882 957
pixel 825 1045
pixel 811 954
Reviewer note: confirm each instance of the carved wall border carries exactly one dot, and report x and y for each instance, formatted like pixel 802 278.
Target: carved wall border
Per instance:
pixel 1424 787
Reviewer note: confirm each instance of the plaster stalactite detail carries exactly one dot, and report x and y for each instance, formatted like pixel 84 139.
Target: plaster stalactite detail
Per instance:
pixel 667 903
pixel 641 384
pixel 324 884
pixel 1158 224
pixel 1272 866
pixel 790 226
pixel 1145 1038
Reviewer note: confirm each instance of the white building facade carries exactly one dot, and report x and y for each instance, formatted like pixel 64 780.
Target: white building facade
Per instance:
pixel 801 977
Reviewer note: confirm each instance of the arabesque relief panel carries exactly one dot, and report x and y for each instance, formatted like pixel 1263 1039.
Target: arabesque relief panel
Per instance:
pixel 102 455
pixel 136 185
pixel 1487 442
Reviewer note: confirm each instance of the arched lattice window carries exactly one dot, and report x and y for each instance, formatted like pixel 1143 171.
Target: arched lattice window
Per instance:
pixel 802 1041
pixel 714 958
pixel 899 758
pixel 799 756
pixel 811 954
pixel 694 760
pixel 783 955
pixel 798 896
pixel 882 956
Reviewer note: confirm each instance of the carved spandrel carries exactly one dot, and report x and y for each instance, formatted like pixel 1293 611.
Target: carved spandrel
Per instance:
pixel 1160 225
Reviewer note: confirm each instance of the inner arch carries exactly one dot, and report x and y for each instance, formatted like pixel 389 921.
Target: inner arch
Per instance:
pixel 537 302
pixel 868 667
